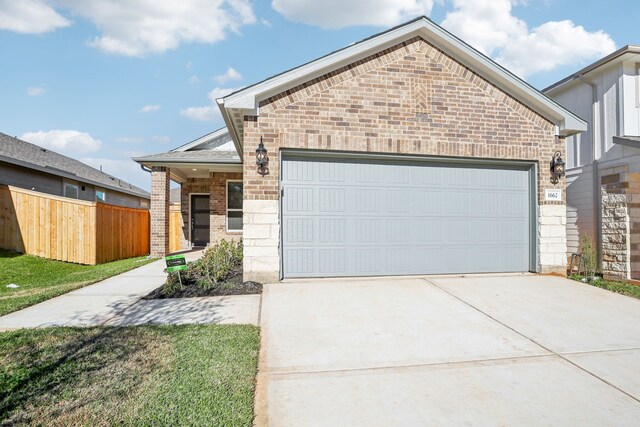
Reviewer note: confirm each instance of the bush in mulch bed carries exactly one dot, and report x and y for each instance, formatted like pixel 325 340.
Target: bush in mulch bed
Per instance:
pixel 218 272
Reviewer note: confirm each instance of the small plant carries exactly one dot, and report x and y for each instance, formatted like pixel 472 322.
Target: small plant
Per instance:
pixel 172 284
pixel 589 257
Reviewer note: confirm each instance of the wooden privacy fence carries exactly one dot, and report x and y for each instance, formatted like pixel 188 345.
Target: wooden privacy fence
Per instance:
pixel 175 228
pixel 70 230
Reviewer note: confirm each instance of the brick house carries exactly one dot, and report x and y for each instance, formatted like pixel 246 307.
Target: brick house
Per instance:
pixel 406 153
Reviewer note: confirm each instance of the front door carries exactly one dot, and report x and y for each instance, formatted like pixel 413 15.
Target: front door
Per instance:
pixel 200 216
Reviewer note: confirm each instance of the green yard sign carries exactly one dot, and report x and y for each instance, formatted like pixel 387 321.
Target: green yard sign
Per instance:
pixel 176 263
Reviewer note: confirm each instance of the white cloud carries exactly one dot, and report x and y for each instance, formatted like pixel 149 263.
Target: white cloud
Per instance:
pixel 490 27
pixel 230 75
pixel 336 14
pixel 70 142
pixel 211 112
pixel 30 17
pixel 35 90
pixel 265 22
pixel 149 108
pixel 130 139
pixel 554 44
pixel 189 65
pixel 141 27
pixel 194 79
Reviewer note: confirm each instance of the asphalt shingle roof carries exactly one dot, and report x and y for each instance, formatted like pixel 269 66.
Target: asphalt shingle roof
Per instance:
pixel 195 156
pixel 16 151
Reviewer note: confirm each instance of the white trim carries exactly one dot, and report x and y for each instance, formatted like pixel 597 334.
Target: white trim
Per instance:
pixel 189 223
pixel 249 98
pixel 203 139
pixel 637 82
pixel 226 205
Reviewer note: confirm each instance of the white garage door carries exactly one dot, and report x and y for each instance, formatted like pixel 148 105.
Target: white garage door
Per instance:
pixel 344 217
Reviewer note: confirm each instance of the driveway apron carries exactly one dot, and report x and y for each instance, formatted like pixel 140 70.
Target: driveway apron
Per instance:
pixel 483 350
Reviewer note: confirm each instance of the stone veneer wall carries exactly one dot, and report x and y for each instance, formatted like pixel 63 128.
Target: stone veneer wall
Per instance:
pixel 552 238
pixel 215 187
pixel 620 192
pixel 410 98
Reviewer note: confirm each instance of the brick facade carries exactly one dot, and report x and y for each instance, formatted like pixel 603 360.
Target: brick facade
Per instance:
pixel 159 211
pixel 411 99
pixel 215 187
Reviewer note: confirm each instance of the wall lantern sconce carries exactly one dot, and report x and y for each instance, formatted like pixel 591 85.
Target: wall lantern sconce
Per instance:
pixel 262 160
pixel 557 168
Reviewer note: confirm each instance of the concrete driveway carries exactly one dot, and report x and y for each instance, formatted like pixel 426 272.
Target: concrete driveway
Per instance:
pixel 486 350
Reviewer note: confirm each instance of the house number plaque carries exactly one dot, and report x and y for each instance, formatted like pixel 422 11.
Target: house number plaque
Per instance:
pixel 553 194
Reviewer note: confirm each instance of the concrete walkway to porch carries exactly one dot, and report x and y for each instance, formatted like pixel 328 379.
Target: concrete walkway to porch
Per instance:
pixel 118 301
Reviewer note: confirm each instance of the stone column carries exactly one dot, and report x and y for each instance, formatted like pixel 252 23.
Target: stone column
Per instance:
pixel 552 238
pixel 616 248
pixel 159 211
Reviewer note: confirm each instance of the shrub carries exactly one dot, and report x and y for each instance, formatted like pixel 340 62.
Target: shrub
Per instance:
pixel 218 263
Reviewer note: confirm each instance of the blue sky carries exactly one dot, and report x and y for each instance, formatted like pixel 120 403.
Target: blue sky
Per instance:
pixel 76 75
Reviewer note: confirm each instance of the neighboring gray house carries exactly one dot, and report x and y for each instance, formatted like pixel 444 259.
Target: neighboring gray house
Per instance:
pixel 29 166
pixel 603 163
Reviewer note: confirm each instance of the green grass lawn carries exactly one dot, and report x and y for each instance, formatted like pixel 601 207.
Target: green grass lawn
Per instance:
pixel 623 288
pixel 40 279
pixel 141 375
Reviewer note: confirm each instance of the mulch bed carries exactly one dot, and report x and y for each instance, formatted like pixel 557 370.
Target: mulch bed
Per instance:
pixel 232 286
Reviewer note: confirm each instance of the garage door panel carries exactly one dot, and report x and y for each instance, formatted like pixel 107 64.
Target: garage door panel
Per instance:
pixel 351 218
pixel 332 230
pixel 368 261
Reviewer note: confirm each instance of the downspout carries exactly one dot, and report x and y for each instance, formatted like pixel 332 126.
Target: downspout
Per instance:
pixel 144 168
pixel 595 141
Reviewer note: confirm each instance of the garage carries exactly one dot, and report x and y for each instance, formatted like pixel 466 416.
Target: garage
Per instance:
pixel 359 216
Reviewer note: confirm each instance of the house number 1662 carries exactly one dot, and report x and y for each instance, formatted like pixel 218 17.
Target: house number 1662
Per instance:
pixel 553 194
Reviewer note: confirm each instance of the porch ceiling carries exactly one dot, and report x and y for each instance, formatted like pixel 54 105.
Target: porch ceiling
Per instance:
pixel 180 173
pixel 193 164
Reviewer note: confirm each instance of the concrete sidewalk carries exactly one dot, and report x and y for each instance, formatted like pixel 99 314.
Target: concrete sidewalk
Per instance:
pixel 117 301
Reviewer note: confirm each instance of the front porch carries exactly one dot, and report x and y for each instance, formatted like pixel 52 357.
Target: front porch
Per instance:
pixel 208 172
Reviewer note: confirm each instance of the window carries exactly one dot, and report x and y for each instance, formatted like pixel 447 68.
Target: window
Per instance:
pixel 101 195
pixel 234 205
pixel 71 190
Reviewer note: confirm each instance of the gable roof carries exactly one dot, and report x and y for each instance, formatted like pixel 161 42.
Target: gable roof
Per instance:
pixel 246 101
pixel 211 140
pixel 622 54
pixel 25 154
pixel 203 150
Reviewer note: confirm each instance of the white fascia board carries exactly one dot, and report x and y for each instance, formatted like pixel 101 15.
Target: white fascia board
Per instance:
pixel 228 121
pixel 202 140
pixel 250 97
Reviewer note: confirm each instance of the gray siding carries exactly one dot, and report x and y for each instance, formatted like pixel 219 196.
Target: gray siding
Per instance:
pixel 122 199
pixel 30 179
pixel 580 207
